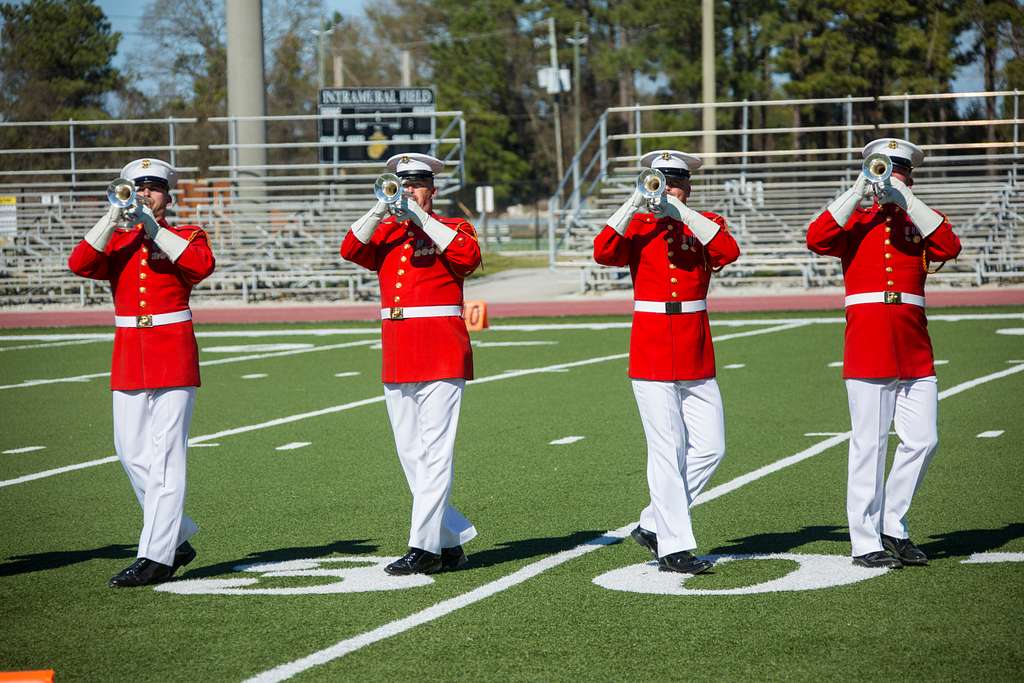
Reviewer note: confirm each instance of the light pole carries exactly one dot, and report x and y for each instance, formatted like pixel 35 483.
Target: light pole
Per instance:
pixel 558 88
pixel 576 40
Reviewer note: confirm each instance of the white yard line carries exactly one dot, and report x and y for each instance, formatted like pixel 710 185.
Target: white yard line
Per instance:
pixel 446 607
pixel 47 345
pixel 205 363
pixel 375 399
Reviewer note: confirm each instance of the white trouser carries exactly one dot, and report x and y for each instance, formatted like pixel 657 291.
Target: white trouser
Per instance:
pixel 151 436
pixel 685 428
pixel 424 417
pixel 875 506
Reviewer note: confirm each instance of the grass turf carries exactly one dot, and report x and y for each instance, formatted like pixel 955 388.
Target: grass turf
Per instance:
pixel 344 494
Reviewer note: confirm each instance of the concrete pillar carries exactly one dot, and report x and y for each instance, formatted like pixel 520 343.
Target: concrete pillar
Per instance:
pixel 708 74
pixel 247 90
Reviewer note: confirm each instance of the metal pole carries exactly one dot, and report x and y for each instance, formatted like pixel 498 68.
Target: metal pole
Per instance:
pixel 906 116
pixel 576 41
pixel 170 141
pixel 849 132
pixel 558 110
pixel 746 141
pixel 552 210
pixel 708 74
pixel 406 69
pixel 636 131
pixel 1016 117
pixel 604 144
pixel 71 146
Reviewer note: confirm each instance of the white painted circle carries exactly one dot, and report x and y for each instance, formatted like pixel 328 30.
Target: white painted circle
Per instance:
pixel 255 348
pixel 368 576
pixel 1013 331
pixel 813 572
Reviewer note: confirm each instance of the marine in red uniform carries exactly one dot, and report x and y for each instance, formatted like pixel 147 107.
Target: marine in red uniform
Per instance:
pixel 671 253
pixel 151 267
pixel 888 365
pixel 421 260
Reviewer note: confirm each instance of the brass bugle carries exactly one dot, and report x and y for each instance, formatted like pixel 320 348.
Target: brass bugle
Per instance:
pixel 651 185
pixel 121 193
pixel 388 188
pixel 877 169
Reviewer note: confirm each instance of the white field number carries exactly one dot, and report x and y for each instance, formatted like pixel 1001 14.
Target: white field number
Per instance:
pixel 365 574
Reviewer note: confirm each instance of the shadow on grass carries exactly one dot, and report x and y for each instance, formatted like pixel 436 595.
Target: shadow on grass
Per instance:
pixel 968 541
pixel 24 564
pixel 510 551
pixel 782 542
pixel 355 547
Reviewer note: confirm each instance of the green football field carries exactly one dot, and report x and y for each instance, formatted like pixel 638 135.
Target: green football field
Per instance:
pixel 295 484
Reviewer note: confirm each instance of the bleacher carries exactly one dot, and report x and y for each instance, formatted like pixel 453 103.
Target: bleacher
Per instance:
pixel 769 199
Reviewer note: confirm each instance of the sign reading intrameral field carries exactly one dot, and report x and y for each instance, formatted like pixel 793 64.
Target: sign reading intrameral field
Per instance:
pixel 367 127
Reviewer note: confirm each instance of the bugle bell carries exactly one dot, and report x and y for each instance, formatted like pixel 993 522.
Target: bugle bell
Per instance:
pixel 388 189
pixel 877 169
pixel 121 193
pixel 651 185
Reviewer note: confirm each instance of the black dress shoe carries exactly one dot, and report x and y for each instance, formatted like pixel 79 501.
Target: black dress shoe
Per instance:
pixel 183 555
pixel 647 539
pixel 142 572
pixel 904 550
pixel 877 560
pixel 453 558
pixel 683 562
pixel 415 561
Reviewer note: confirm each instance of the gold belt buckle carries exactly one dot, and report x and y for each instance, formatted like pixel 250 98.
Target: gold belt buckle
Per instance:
pixel 143 321
pixel 893 298
pixel 397 313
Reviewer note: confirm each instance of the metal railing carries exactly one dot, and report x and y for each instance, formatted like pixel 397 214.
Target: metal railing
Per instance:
pixel 771 179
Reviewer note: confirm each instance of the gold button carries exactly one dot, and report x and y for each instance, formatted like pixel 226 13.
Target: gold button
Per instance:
pixel 671 266
pixel 142 304
pixel 143 262
pixel 670 240
pixel 888 269
pixel 890 283
pixel 671 253
pixel 673 280
pixel 888 242
pixel 145 251
pixel 397 299
pixel 401 271
pixel 888 255
pixel 142 276
pixel 409 234
pixel 917 238
pixel 888 229
pixel 888 220
pixel 408 246
pixel 674 294
pixel 693 247
pixel 398 285
pixel 404 259
pixel 142 290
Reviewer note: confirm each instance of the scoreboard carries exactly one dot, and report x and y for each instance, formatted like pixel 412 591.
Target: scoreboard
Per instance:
pixel 362 122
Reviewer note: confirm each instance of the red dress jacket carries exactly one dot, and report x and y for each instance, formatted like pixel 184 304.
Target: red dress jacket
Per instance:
pixel 882 250
pixel 412 271
pixel 668 263
pixel 144 281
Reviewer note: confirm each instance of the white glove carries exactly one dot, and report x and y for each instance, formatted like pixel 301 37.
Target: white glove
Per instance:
pixel 435 229
pixel 364 227
pixel 141 213
pixel 620 219
pixel 167 241
pixel 99 234
pixel 926 219
pixel 703 227
pixel 842 208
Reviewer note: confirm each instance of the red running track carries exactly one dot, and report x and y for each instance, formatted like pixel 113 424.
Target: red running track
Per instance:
pixel 342 312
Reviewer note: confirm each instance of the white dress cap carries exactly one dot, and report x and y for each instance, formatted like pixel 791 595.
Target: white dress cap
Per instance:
pixel 896 149
pixel 150 170
pixel 412 165
pixel 672 162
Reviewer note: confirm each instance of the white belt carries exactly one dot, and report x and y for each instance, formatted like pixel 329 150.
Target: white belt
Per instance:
pixel 420 312
pixel 670 307
pixel 885 298
pixel 152 320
